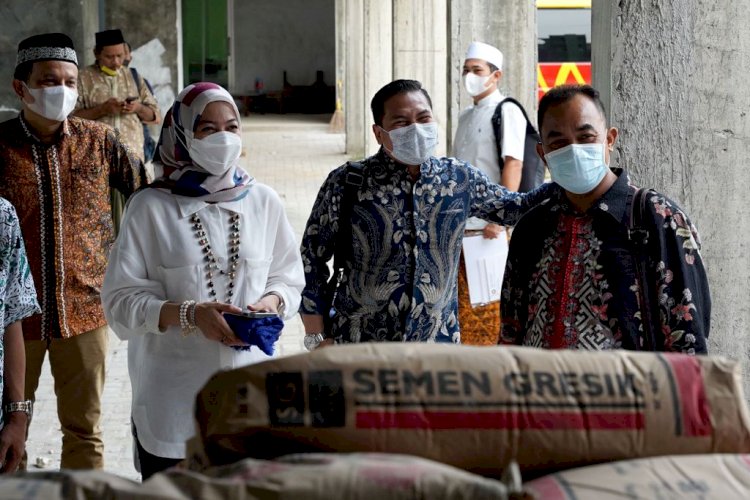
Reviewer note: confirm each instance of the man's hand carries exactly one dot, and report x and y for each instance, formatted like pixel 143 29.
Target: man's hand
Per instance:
pixel 13 442
pixel 492 231
pixel 325 343
pixel 131 107
pixel 111 106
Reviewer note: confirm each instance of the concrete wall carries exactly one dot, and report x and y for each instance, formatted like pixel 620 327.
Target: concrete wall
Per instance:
pixel 674 74
pixel 151 29
pixel 427 41
pixel 352 21
pixel 511 27
pixel 365 33
pixel 20 19
pixel 379 59
pixel 294 35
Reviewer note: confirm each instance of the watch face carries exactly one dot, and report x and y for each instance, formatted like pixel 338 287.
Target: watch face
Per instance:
pixel 312 341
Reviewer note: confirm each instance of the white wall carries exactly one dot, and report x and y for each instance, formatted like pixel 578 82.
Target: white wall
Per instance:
pixel 276 35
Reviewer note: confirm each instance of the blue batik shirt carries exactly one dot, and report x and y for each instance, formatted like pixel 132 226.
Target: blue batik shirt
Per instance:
pixel 406 241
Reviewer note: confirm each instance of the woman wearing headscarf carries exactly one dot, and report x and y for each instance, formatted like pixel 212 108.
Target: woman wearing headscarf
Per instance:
pixel 202 240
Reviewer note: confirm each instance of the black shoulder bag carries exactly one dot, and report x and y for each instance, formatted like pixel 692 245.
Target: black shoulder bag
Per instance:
pixel 638 236
pixel 532 174
pixel 342 253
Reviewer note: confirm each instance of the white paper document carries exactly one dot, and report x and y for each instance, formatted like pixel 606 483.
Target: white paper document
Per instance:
pixel 485 267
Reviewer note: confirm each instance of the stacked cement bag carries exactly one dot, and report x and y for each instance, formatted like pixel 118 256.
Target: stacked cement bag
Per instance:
pixel 476 408
pixel 717 476
pixel 309 477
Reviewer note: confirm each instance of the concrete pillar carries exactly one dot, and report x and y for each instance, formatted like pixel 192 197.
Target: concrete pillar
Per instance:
pixel 420 48
pixel 23 18
pixel 673 74
pixel 341 42
pixel 368 43
pixel 511 27
pixel 354 87
pixel 378 60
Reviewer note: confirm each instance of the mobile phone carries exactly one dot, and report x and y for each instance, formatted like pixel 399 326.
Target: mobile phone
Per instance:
pixel 252 314
pixel 130 99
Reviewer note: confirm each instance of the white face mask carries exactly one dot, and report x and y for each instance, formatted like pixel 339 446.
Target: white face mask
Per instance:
pixel 53 103
pixel 414 144
pixel 476 84
pixel 216 153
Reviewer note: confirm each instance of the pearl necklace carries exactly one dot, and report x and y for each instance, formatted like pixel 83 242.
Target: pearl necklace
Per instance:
pixel 210 259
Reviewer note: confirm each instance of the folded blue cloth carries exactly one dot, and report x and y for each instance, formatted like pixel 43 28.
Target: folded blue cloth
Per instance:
pixel 260 332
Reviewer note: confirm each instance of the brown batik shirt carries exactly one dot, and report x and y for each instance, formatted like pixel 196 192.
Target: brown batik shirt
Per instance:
pixel 61 195
pixel 95 88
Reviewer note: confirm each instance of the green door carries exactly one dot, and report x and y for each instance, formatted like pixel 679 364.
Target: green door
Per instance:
pixel 204 41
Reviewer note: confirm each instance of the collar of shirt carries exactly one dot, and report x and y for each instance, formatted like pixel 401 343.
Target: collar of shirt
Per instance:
pixel 188 206
pixel 491 100
pixel 29 132
pixel 613 203
pixel 389 165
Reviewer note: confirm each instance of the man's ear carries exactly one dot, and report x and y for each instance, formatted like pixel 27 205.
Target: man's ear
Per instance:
pixel 612 134
pixel 377 131
pixel 498 76
pixel 18 88
pixel 540 152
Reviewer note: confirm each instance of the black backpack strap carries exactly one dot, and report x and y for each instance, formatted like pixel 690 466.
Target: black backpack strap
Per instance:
pixel 342 253
pixel 638 236
pixel 353 180
pixel 497 126
pixel 135 75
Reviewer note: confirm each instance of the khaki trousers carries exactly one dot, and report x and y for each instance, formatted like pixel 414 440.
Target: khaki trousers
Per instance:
pixel 77 366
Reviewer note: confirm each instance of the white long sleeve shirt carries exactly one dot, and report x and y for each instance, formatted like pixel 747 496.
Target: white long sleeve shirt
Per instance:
pixel 157 258
pixel 475 139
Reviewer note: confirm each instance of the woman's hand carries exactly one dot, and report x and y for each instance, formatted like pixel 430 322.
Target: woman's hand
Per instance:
pixel 267 303
pixel 213 326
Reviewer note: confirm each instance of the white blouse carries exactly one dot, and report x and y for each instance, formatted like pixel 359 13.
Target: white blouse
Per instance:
pixel 157 258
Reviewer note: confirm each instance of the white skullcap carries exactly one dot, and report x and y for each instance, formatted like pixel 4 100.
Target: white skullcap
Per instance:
pixel 479 50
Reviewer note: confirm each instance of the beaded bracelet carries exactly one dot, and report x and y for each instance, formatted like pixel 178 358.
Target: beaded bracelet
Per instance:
pixel 191 316
pixel 186 325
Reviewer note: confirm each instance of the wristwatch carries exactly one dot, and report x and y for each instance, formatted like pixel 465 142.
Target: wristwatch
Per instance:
pixel 24 406
pixel 313 340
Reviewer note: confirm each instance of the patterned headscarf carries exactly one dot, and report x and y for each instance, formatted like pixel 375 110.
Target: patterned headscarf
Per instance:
pixel 173 167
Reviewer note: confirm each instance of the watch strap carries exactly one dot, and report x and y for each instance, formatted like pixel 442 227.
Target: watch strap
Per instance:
pixel 16 406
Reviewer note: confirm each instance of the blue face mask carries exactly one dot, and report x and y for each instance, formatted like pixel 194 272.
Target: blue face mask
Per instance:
pixel 577 168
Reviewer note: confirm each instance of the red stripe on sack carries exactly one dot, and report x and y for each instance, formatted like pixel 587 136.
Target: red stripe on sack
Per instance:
pixel 547 487
pixel 696 414
pixel 499 420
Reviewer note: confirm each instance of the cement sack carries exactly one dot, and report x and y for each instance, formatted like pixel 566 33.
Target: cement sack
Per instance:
pixel 475 408
pixel 309 477
pixel 685 477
